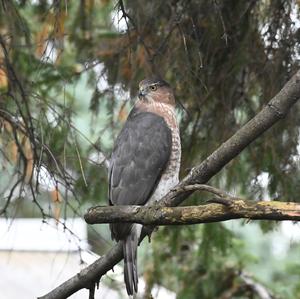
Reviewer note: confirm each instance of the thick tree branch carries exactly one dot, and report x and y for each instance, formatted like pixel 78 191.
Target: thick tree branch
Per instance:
pixel 238 208
pixel 275 110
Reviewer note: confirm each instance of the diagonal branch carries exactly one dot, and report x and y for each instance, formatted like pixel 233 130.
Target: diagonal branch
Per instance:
pixel 241 283
pixel 275 110
pixel 257 288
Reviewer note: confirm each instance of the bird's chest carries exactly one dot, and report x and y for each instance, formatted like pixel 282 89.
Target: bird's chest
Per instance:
pixel 170 176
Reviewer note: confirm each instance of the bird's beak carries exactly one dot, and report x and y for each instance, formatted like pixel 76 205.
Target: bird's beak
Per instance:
pixel 141 93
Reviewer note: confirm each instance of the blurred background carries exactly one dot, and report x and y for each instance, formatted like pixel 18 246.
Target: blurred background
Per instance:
pixel 69 74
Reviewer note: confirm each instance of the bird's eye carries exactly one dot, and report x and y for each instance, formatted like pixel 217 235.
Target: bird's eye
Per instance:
pixel 153 87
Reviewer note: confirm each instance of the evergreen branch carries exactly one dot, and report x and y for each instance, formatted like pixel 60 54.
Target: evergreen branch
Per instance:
pixel 275 110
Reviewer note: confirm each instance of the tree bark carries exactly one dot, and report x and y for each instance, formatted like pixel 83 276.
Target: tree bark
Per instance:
pixel 275 110
pixel 238 208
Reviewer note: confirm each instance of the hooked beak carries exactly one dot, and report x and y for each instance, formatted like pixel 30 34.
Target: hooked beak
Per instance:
pixel 141 94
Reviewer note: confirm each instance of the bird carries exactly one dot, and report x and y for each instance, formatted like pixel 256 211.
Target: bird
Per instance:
pixel 144 164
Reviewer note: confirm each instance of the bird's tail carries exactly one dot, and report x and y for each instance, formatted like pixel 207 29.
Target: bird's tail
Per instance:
pixel 130 245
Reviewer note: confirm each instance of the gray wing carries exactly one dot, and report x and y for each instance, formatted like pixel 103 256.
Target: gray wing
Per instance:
pixel 141 153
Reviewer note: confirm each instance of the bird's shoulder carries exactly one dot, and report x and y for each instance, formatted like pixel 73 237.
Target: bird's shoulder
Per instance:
pixel 142 123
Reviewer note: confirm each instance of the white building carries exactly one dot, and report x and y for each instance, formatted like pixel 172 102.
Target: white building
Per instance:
pixel 35 257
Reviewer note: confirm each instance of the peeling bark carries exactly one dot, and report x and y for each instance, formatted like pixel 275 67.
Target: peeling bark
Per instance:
pixel 238 208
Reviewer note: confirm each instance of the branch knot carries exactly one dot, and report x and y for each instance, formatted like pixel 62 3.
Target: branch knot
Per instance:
pixel 277 111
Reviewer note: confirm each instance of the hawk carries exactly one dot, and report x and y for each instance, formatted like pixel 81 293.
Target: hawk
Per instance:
pixel 144 164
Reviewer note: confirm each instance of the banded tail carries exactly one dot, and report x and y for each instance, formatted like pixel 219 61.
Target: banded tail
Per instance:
pixel 130 245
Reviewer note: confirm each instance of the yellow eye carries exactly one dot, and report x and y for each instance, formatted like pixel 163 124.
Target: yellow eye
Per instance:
pixel 153 87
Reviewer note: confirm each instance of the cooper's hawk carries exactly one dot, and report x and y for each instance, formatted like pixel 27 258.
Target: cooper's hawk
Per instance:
pixel 144 164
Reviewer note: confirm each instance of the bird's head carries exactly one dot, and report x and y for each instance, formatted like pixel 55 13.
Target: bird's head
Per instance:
pixel 156 90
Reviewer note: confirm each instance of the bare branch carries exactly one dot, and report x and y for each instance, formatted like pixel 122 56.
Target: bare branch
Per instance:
pixel 277 108
pixel 241 283
pixel 238 208
pixel 257 288
pixel 201 187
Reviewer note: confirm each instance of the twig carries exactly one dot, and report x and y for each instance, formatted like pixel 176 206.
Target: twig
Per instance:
pixel 202 187
pixel 135 27
pixel 79 160
pixel 9 197
pixel 225 35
